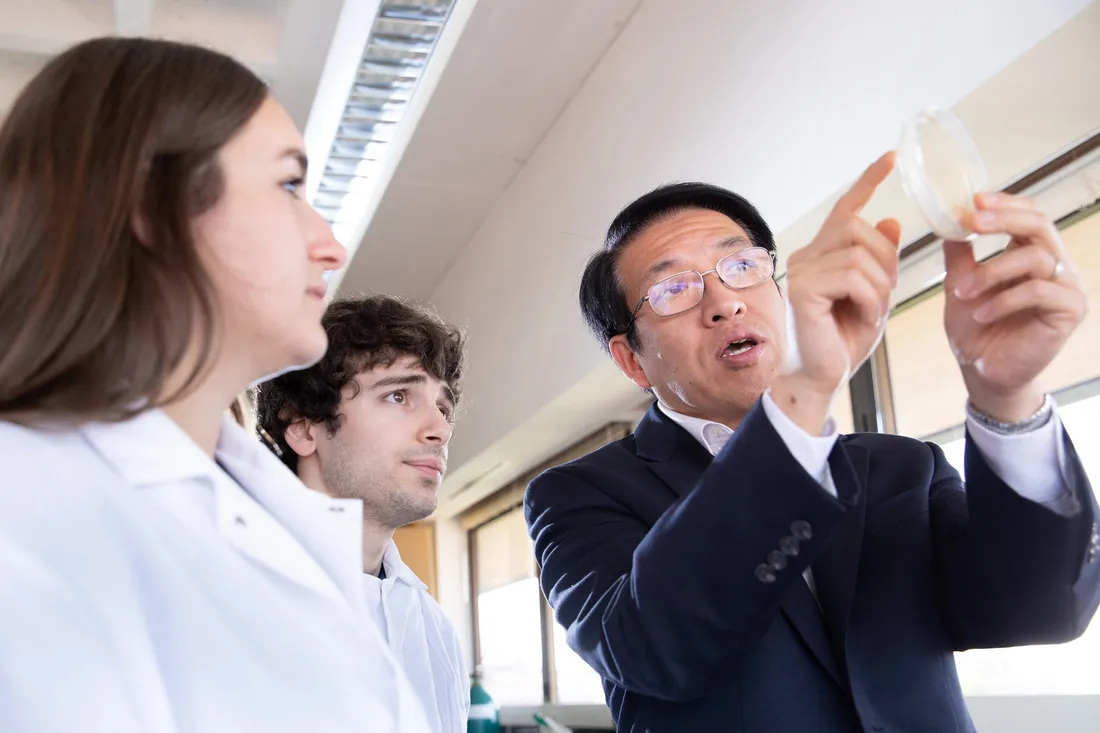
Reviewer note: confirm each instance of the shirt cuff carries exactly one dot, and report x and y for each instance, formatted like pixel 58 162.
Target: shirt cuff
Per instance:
pixel 1030 463
pixel 812 453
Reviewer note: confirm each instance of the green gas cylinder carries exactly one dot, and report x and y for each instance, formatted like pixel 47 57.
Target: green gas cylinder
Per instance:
pixel 484 712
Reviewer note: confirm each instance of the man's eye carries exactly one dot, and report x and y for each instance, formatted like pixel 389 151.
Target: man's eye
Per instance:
pixel 398 398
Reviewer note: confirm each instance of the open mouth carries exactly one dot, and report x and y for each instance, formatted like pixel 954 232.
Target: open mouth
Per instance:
pixel 741 346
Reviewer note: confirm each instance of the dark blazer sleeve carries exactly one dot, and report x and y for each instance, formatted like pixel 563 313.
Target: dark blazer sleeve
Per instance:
pixel 1011 571
pixel 659 611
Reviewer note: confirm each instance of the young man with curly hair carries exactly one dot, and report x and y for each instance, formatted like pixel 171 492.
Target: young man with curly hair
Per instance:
pixel 372 421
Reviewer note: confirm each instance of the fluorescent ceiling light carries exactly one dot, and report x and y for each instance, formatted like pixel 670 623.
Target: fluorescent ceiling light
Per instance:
pixel 397 52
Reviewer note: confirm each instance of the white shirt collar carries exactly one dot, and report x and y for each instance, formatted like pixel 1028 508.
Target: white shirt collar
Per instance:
pixel 423 640
pixel 710 434
pixel 396 569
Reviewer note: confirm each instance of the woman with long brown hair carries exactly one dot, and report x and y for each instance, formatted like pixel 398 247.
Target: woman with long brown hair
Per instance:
pixel 159 569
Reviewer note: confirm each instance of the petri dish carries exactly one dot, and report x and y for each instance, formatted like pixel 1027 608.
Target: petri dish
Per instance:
pixel 941 170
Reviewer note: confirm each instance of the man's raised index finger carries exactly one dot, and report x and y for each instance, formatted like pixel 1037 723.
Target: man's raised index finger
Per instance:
pixel 852 202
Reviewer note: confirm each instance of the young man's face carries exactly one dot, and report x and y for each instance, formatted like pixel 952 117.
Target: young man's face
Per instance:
pixel 390 450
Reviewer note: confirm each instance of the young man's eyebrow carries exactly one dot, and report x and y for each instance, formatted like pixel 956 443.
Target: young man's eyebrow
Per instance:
pixel 398 380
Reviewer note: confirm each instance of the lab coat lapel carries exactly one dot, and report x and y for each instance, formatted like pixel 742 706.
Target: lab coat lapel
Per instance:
pixel 327 531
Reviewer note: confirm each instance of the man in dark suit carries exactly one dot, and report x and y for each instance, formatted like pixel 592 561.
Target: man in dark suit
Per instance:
pixel 734 565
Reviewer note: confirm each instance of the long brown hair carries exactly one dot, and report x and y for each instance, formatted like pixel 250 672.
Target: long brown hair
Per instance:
pixel 112 137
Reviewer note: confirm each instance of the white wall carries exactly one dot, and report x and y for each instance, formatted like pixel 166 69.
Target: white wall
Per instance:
pixel 15 71
pixel 453 573
pixel 1041 103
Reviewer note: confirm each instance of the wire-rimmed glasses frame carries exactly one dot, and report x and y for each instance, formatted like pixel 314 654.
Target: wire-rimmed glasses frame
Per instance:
pixel 666 299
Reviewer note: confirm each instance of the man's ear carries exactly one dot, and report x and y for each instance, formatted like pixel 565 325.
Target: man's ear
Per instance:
pixel 627 360
pixel 301 436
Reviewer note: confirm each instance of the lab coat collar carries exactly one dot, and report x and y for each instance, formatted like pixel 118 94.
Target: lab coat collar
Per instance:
pixel 149 450
pixel 261 506
pixel 331 530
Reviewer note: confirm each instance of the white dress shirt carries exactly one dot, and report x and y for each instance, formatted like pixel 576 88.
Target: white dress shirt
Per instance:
pixel 1031 463
pixel 423 640
pixel 145 591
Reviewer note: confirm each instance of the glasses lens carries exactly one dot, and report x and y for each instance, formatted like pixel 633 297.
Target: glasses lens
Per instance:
pixel 676 294
pixel 746 268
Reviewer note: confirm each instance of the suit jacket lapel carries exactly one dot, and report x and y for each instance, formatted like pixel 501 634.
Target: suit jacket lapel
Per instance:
pixel 674 455
pixel 837 568
pixel 683 470
pixel 679 461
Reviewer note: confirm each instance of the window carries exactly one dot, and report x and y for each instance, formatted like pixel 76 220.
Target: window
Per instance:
pixel 521 649
pixel 842 412
pixel 577 683
pixel 928 392
pixel 513 619
pixel 508 611
pixel 929 403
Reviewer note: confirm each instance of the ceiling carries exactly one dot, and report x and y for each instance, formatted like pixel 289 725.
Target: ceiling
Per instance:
pixel 517 66
pixel 284 41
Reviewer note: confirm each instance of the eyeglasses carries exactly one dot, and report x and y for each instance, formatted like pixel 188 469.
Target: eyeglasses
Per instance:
pixel 684 290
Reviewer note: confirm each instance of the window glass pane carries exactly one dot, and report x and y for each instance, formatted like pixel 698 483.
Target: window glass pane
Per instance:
pixel 578 684
pixel 511 642
pixel 505 554
pixel 842 412
pixel 509 611
pixel 929 402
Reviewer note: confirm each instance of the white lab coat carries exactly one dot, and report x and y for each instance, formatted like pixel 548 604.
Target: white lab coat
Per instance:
pixel 143 591
pixel 423 640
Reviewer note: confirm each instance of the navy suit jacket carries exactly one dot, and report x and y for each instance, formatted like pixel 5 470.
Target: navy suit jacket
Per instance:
pixel 678 578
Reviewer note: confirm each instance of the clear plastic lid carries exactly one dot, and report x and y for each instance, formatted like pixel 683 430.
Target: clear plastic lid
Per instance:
pixel 941 170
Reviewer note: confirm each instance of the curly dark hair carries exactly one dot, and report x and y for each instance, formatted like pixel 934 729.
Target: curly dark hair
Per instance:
pixel 363 333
